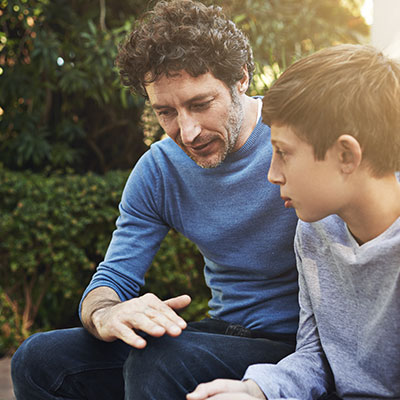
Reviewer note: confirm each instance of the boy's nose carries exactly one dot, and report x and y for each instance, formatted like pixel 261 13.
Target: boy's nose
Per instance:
pixel 274 175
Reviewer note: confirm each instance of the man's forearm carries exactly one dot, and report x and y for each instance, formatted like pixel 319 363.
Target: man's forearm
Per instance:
pixel 96 300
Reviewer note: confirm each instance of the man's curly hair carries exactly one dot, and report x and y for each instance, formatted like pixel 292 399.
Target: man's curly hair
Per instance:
pixel 183 35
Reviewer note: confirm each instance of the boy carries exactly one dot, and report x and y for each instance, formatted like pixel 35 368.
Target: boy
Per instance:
pixel 335 130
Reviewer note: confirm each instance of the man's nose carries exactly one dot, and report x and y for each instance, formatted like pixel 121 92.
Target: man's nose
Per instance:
pixel 189 128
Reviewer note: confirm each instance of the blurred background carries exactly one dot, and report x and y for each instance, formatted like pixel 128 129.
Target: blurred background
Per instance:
pixel 70 134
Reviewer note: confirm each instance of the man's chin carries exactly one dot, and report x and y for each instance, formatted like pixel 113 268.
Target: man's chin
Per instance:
pixel 207 163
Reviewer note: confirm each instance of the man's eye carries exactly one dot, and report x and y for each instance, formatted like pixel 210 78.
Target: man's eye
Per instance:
pixel 164 113
pixel 202 106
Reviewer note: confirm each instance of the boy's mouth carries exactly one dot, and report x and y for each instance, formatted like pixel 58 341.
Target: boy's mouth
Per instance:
pixel 288 202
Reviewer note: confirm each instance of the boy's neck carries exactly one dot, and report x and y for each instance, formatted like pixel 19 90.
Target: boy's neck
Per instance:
pixel 375 207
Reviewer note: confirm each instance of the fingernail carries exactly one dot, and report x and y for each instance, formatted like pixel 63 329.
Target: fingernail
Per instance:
pixel 182 324
pixel 175 329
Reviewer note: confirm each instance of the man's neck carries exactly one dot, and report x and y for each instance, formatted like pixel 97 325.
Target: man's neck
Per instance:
pixel 250 108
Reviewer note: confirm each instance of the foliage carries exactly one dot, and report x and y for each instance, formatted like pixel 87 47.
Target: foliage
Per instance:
pixel 61 101
pixel 53 232
pixel 282 31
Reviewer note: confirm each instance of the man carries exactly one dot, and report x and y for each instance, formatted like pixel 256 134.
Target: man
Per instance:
pixel 208 180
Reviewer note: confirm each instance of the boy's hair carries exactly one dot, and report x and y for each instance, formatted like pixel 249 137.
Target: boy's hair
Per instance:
pixel 345 89
pixel 183 35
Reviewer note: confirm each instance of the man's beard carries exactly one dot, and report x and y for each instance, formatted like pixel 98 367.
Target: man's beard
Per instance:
pixel 233 127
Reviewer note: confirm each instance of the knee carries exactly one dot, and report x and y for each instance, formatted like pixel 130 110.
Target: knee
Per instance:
pixel 161 370
pixel 162 359
pixel 159 353
pixel 28 359
pixel 26 364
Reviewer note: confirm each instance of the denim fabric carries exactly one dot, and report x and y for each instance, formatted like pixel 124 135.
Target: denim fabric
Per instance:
pixel 68 364
pixel 71 364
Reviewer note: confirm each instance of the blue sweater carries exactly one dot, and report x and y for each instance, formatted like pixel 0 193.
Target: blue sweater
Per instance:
pixel 234 216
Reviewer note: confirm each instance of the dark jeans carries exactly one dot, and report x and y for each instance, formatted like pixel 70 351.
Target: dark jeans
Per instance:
pixel 72 364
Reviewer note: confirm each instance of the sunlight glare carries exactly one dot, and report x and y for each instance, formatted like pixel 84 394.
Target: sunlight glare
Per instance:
pixel 367 11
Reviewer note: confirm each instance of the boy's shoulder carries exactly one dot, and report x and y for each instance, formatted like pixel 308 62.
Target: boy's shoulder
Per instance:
pixel 332 231
pixel 331 225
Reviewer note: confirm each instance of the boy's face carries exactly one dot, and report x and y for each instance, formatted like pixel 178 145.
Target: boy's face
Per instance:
pixel 200 114
pixel 312 187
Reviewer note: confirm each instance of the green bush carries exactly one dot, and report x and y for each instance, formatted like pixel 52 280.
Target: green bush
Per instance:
pixel 61 102
pixel 53 232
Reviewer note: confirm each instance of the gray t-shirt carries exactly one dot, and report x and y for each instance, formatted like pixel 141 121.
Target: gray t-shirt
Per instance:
pixel 349 319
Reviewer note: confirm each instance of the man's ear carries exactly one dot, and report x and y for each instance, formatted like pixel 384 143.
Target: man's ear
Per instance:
pixel 243 84
pixel 349 153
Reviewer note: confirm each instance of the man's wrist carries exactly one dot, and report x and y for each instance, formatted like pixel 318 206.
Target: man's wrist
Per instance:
pixel 101 306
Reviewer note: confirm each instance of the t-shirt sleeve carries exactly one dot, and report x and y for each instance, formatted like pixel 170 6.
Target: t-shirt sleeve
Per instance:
pixel 139 231
pixel 305 374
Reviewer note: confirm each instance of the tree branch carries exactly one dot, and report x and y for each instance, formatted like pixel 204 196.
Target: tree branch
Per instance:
pixel 103 15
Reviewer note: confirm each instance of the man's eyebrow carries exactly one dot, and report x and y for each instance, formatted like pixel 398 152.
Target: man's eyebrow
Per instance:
pixel 156 106
pixel 199 97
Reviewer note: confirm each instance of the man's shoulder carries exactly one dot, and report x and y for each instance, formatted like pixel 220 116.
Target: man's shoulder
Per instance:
pixel 162 152
pixel 165 146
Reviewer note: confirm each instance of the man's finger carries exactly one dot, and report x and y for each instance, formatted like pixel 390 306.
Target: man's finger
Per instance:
pixel 163 314
pixel 157 322
pixel 178 302
pixel 129 336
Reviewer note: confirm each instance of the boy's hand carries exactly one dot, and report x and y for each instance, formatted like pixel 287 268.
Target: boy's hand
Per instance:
pixel 227 389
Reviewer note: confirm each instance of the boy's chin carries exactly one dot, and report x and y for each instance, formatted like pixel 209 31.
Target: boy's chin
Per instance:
pixel 310 218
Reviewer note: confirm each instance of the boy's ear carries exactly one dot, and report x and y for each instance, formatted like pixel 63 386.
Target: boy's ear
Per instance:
pixel 349 153
pixel 243 84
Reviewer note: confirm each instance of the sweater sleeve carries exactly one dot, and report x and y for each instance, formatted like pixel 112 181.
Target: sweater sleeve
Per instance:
pixel 305 374
pixel 139 231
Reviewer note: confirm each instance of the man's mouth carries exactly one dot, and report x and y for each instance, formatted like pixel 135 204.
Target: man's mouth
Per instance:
pixel 202 148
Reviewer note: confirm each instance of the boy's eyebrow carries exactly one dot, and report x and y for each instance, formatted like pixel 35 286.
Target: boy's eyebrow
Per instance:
pixel 193 99
pixel 276 141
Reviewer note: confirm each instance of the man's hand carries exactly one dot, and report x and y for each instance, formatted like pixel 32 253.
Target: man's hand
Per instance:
pixel 105 316
pixel 227 389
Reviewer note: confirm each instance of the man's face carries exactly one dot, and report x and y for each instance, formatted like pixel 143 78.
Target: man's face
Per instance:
pixel 313 187
pixel 200 114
